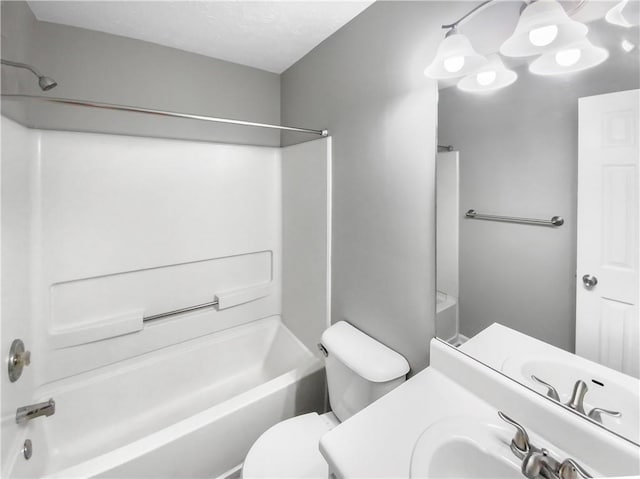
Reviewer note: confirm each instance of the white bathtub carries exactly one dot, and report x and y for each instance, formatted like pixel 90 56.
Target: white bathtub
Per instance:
pixel 189 411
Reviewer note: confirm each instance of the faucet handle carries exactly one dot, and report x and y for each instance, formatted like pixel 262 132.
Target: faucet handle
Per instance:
pixel 551 391
pixel 520 445
pixel 570 469
pixel 596 413
pixel 23 359
pixel 19 358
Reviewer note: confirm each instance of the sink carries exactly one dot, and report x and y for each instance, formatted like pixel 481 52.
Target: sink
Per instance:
pixel 464 447
pixel 606 388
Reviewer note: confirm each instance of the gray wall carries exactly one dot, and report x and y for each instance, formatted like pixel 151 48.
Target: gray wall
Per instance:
pixel 306 248
pixel 518 156
pixel 102 67
pixel 366 85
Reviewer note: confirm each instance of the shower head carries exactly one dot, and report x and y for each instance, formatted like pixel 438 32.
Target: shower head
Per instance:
pixel 45 82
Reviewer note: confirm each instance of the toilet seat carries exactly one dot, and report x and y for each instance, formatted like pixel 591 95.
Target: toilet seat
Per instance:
pixel 290 449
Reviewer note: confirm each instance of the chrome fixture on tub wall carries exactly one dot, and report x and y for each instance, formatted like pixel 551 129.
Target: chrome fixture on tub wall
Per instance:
pixel 19 358
pixel 46 83
pixel 32 411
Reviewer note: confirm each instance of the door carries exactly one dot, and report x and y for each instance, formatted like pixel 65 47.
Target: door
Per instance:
pixel 607 290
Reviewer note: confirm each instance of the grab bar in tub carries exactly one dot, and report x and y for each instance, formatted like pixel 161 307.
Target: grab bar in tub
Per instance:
pixel 220 301
pixel 210 304
pixel 554 221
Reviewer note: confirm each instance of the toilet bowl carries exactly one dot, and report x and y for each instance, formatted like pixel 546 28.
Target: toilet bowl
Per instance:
pixel 359 371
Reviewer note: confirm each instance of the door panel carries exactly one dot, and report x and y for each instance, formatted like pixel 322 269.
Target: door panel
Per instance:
pixel 608 216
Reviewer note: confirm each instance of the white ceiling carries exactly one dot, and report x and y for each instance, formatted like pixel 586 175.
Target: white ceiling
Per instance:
pixel 270 35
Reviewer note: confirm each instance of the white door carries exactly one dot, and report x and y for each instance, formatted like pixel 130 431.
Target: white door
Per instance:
pixel 607 290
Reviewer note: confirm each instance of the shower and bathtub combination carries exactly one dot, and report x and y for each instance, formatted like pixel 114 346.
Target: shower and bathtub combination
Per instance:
pixel 171 293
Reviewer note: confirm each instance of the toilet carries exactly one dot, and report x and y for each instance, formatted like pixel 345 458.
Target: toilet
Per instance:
pixel 359 371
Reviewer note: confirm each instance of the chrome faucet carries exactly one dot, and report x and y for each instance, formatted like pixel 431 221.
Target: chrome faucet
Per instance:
pixel 577 400
pixel 27 413
pixel 577 396
pixel 537 463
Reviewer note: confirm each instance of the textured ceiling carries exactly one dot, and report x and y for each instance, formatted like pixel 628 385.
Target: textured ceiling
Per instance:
pixel 270 35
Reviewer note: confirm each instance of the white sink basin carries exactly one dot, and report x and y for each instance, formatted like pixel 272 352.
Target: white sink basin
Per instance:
pixel 464 448
pixel 606 388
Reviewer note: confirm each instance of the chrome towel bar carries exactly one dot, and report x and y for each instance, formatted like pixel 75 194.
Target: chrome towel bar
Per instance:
pixel 221 301
pixel 210 304
pixel 554 221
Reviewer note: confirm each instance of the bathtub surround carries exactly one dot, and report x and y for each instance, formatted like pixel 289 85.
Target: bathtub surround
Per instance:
pixel 113 228
pixel 365 83
pixel 16 189
pixel 518 275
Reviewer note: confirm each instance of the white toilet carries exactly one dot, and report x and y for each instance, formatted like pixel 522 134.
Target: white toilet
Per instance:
pixel 359 371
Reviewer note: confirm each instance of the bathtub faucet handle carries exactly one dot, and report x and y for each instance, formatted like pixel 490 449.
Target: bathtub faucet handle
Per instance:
pixel 19 358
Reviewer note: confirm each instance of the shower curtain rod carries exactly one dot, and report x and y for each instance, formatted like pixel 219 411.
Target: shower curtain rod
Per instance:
pixel 172 114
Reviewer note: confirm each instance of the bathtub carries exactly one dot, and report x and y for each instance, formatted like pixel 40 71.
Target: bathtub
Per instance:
pixel 189 411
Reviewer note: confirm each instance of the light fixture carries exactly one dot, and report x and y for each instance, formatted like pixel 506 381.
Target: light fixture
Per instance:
pixel 576 57
pixel 624 14
pixel 455 57
pixel 493 76
pixel 543 27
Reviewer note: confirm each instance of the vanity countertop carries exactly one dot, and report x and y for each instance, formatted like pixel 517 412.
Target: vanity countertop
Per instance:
pixel 379 440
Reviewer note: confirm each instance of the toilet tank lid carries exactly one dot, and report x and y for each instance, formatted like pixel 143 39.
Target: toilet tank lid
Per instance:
pixel 364 355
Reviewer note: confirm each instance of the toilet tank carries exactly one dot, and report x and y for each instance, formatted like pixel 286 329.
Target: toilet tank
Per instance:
pixel 359 369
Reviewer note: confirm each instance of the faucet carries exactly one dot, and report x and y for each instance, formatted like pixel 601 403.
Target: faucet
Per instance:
pixel 577 396
pixel 32 411
pixel 577 400
pixel 537 463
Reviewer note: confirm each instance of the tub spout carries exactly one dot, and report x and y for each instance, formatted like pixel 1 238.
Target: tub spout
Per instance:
pixel 27 413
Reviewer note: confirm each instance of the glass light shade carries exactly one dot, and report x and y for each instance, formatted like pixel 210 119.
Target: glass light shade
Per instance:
pixel 455 58
pixel 493 76
pixel 574 58
pixel 543 27
pixel 624 14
